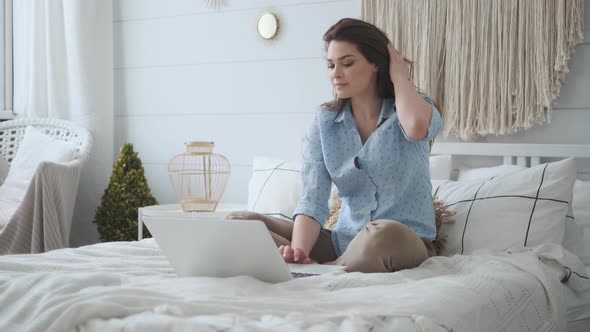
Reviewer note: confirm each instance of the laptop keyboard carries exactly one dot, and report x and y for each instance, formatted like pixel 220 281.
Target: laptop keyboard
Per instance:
pixel 301 275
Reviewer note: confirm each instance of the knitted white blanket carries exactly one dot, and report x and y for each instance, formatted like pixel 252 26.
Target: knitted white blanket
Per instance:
pixel 130 286
pixel 42 221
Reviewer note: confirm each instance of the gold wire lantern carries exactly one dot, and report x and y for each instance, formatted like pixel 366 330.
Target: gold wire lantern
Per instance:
pixel 199 177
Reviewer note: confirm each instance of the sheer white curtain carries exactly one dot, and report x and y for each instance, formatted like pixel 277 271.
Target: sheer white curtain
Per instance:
pixel 63 68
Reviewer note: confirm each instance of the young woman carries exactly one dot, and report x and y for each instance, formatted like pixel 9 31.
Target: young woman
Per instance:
pixel 372 141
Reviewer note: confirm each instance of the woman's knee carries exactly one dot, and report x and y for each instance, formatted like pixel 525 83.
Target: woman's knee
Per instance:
pixel 385 246
pixel 389 233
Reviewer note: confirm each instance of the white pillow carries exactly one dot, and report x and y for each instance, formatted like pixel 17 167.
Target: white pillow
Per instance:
pixel 441 167
pixel 581 204
pixel 484 173
pixel 584 251
pixel 498 218
pixel 573 238
pixel 580 235
pixel 34 148
pixel 275 187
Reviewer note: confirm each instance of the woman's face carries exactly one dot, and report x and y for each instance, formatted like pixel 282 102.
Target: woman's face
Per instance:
pixel 350 73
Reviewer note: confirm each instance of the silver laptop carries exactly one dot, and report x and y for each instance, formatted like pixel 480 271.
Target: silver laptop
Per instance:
pixel 213 246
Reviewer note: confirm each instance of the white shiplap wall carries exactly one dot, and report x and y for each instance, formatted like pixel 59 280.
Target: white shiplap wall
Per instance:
pixel 186 72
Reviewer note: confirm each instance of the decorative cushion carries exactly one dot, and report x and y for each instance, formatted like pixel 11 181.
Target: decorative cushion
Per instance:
pixel 275 187
pixel 441 167
pixel 574 232
pixel 483 173
pixel 34 148
pixel 527 207
pixel 581 204
pixel 580 235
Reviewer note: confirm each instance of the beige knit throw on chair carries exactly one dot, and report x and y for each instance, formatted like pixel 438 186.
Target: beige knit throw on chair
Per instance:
pixel 493 66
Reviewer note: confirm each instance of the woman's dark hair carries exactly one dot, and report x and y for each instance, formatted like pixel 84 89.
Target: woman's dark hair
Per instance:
pixel 372 43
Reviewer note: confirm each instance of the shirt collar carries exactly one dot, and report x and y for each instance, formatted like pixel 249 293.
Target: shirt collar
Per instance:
pixel 343 110
pixel 387 109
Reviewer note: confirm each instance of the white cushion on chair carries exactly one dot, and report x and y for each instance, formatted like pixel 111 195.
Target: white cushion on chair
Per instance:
pixel 34 148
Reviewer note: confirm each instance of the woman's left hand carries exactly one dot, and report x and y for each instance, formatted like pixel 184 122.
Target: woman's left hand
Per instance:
pixel 398 67
pixel 294 255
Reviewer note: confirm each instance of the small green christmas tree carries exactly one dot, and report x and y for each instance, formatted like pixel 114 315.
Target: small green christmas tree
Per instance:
pixel 116 217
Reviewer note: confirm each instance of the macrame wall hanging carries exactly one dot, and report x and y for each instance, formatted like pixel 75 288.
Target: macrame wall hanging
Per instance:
pixel 492 66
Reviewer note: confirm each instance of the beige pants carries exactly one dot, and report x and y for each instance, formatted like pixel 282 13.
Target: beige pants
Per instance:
pixel 381 246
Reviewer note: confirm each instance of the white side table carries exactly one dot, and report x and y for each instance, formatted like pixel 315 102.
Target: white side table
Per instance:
pixel 174 211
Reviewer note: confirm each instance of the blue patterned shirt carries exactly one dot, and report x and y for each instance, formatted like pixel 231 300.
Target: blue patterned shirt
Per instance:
pixel 386 178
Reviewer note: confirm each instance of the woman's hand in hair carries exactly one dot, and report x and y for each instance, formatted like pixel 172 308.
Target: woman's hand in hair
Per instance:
pixel 399 68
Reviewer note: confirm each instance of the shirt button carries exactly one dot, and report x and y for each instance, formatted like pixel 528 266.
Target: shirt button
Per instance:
pixel 357 163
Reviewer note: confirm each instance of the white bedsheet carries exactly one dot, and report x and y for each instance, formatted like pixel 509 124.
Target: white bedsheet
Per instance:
pixel 131 287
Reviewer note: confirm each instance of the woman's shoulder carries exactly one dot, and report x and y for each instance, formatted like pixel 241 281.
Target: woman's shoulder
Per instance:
pixel 325 115
pixel 322 120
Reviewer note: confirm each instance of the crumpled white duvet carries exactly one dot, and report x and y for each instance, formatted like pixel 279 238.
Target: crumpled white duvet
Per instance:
pixel 130 286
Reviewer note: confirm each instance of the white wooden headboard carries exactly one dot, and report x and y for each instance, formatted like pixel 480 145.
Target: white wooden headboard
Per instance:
pixel 526 155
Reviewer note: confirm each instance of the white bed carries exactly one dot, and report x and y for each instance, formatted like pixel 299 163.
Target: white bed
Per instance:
pixel 130 286
pixel 528 155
